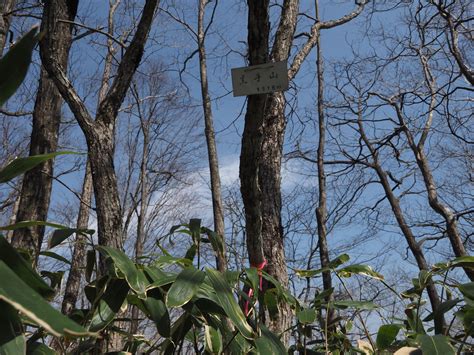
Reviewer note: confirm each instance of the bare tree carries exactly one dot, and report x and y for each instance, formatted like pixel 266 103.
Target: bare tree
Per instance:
pixel 6 7
pixel 218 210
pixel 262 140
pixel 37 183
pixel 99 133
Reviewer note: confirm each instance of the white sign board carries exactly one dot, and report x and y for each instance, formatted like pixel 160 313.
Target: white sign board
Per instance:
pixel 260 79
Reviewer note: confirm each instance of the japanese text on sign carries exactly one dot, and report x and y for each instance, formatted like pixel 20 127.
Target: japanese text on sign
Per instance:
pixel 260 79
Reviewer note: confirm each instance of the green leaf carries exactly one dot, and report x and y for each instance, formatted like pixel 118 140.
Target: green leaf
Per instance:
pixel 271 301
pixel 12 340
pixel 135 278
pixel 443 308
pixel 362 305
pixel 360 270
pixel 23 269
pixel 54 277
pixel 341 259
pixel 213 339
pixel 269 343
pixel 19 295
pixel 191 252
pixel 90 263
pixel 14 65
pixel 252 275
pixel 387 334
pixel 21 165
pixel 435 345
pixel 37 348
pixel 58 257
pixel 215 239
pixel 62 234
pixel 229 304
pixel 109 304
pixel 185 287
pixel 467 290
pixel 159 314
pixel 306 316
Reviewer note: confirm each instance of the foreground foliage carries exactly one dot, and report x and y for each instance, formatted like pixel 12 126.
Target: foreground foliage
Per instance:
pixel 189 304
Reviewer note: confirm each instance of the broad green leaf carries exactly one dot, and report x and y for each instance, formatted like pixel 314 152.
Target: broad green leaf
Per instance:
pixel 53 255
pixel 54 277
pixel 12 340
pixel 213 339
pixel 435 345
pixel 462 261
pixel 21 165
pixel 184 287
pixel 90 263
pixel 191 252
pixel 364 305
pixel 14 65
pixel 109 304
pixel 338 261
pixel 229 304
pixel 387 334
pixel 443 308
pixel 341 259
pixel 179 330
pixel 20 296
pixel 252 275
pixel 61 235
pixel 23 269
pixel 195 228
pixel 159 314
pixel 467 290
pixel 308 273
pixel 167 260
pixel 215 239
pixel 268 340
pixel 360 270
pixel 37 348
pixel 271 301
pixel 135 278
pixel 26 224
pixel 306 316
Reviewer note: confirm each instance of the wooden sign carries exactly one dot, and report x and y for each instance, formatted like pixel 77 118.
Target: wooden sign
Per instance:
pixel 260 79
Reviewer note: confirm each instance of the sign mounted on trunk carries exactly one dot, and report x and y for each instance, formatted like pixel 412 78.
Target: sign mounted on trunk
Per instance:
pixel 260 79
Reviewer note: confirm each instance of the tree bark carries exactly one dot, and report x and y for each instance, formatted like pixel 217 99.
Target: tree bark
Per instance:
pixel 73 284
pixel 217 207
pixel 99 133
pixel 413 245
pixel 37 183
pixel 6 7
pixel 321 209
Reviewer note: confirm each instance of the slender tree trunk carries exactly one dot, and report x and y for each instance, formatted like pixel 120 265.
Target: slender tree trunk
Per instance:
pixel 422 161
pixel 73 284
pixel 321 210
pixel 6 7
pixel 141 215
pixel 413 245
pixel 218 210
pixel 37 183
pixel 99 133
pixel 78 261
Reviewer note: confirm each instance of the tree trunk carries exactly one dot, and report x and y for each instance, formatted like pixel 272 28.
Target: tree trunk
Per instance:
pixel 218 210
pixel 37 183
pixel 6 6
pixel 73 284
pixel 321 210
pixel 99 133
pixel 413 245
